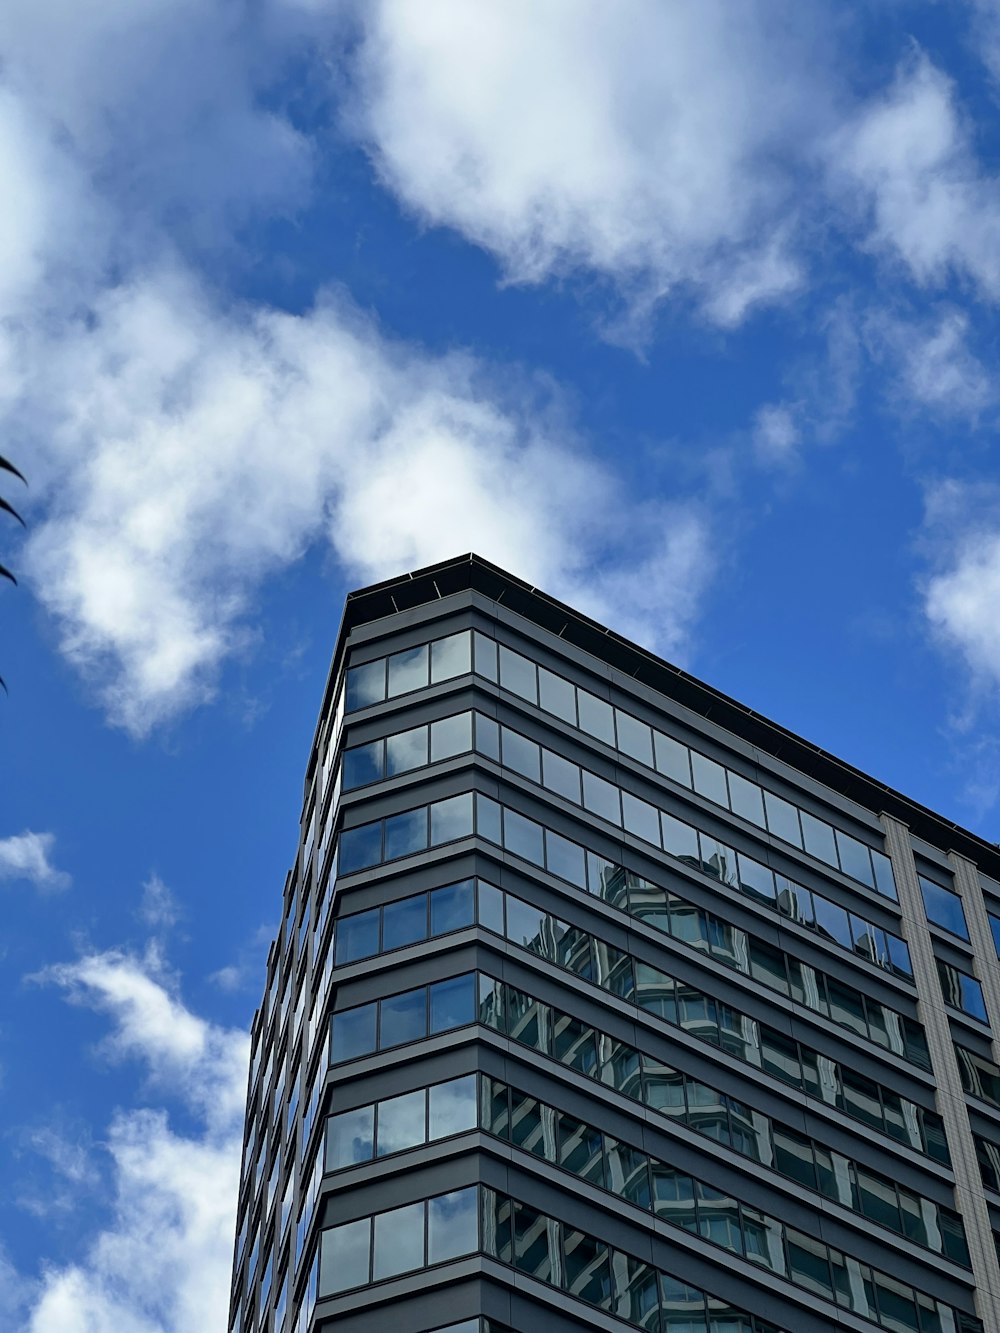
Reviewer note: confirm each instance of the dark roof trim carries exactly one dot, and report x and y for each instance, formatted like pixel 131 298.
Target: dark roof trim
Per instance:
pixel 424 586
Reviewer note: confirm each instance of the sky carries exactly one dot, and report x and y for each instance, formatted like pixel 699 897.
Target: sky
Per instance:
pixel 684 310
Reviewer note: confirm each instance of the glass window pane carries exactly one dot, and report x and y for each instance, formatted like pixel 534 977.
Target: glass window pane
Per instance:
pixel 344 1256
pixel 588 1268
pixel 356 937
pixel 404 922
pixel 565 859
pixel 709 778
pixel 574 1044
pixel 451 819
pixel 628 1173
pixel 855 859
pixel 365 685
pixel 363 764
pixel 408 670
pixel 488 819
pixel 673 1196
pixel 527 1129
pixel 885 881
pixel 488 737
pixel 638 1292
pixel 453 1002
pixel 717 859
pixel 349 1138
pixel 672 759
pixel 795 901
pixel 634 738
pixel 597 718
pixel 520 754
pixel 755 880
pixel 451 736
pixel 683 1306
pixel 401 1122
pixel 360 847
pixel 406 833
pixel 809 1263
pixel 557 695
pixel 352 1033
pixel 451 1225
pixel 944 908
pixel 560 776
pixel 655 992
pixel 452 1107
pixel 399 1241
pixel 679 839
pixel 817 835
pixel 523 837
pixel 746 799
pixel 525 923
pixel 452 907
pixel 536 1243
pixel 404 1018
pixel 490 907
pixel 451 657
pixel 641 818
pixel 406 750
pixel 517 674
pixel 581 1150
pixel 782 819
pixel 601 798
pixel 486 656
pixel 899 955
pixel 832 921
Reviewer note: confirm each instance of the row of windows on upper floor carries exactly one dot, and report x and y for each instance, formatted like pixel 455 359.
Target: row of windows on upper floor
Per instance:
pixel 413 669
pixel 412 1015
pixel 455 906
pixel 464 732
pixel 436 1230
pixel 426 1115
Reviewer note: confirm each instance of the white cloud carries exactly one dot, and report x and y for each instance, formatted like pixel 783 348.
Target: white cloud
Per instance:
pixel 27 856
pixel 162 1263
pixel 907 166
pixel 934 364
pixel 962 596
pixel 640 141
pixel 159 908
pixel 776 434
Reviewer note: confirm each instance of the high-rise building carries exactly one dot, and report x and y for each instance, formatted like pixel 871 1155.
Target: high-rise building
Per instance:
pixel 600 1000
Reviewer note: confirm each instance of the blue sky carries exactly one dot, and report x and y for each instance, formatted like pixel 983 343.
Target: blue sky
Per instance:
pixel 685 311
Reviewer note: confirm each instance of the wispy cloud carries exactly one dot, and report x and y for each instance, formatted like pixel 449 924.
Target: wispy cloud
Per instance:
pixel 27 856
pixel 158 908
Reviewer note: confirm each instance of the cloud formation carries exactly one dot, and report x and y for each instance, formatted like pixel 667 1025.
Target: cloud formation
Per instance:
pixel 27 856
pixel 162 1262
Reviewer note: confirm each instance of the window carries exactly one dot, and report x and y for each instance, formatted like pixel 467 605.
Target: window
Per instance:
pixel 962 991
pixel 943 908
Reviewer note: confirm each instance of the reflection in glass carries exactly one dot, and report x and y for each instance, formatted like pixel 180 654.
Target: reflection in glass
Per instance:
pixel 349 1138
pixel 451 1225
pixel 452 907
pixel 557 696
pixel 588 1268
pixel 523 837
pixel 365 685
pixel 601 798
pixel 399 1241
pixel 362 764
pixel 561 776
pixel 452 1107
pixel 360 847
pixel 401 1122
pixel 404 922
pixel 597 718
pixel 517 674
pixel 453 1002
pixel 782 819
pixel 405 833
pixel 520 754
pixel 357 937
pixel 404 1018
pixel 486 656
pixel 406 750
pixel 634 738
pixel 451 657
pixel 451 819
pixel 672 758
pixel 746 799
pixel 344 1256
pixel 352 1033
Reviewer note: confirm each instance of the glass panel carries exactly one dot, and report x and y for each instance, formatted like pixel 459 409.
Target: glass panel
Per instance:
pixel 679 839
pixel 406 833
pixel 349 1138
pixel 817 836
pixel 634 738
pixel 406 750
pixel 638 1291
pixel 360 847
pixel 409 670
pixel 560 776
pixel 490 908
pixel 995 931
pixel 581 1150
pixel 526 1127
pixel 363 764
pixel 525 923
pixel 683 1306
pixel 746 799
pixel 517 674
pixel 488 819
pixel 588 1268
pixel 520 754
pixel 846 1006
pixel 809 1264
pixel 344 1256
pixel 399 1241
pixel 641 818
pixel 403 1018
pixel 495 1107
pixel 451 736
pixel 709 779
pixel 486 656
pixel 755 880
pixel 497 1229
pixel 719 1218
pixel 767 964
pixel 452 1107
pixel 356 936
pixel 628 1173
pixel 655 992
pixel 565 859
pixel 404 922
pixel 365 685
pixel 452 907
pixel 780 1056
pixel 718 860
pixel 832 921
pixel 451 819
pixel 885 882
pixel 673 1196
pixel 451 656
pixel 451 1225
pixel 944 908
pixel 557 695
pixel 855 859
pixel 487 737
pixel 795 901
pixel 523 837
pixel 352 1033
pixel 597 718
pixel 574 1044
pixel 401 1122
pixel 601 798
pixel 782 819
pixel 672 759
pixel 536 1243
pixel 453 1002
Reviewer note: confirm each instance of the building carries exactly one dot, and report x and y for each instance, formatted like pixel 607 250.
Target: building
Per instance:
pixel 600 1000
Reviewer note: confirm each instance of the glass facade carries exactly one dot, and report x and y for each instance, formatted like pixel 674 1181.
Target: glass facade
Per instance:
pixel 594 1004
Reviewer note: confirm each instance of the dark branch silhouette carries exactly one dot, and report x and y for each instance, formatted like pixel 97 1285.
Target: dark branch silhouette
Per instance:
pixel 6 507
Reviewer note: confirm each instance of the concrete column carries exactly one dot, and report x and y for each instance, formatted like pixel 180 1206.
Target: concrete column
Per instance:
pixel 969 1198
